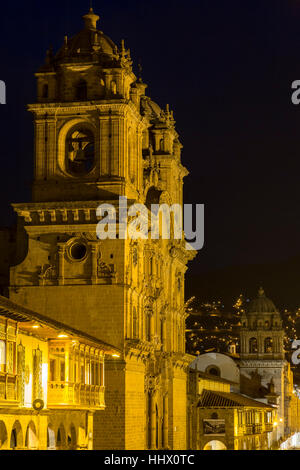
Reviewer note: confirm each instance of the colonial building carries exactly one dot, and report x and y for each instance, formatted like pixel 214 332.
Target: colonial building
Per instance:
pixel 51 381
pixel 262 357
pixel 98 137
pixel 259 372
pixel 220 419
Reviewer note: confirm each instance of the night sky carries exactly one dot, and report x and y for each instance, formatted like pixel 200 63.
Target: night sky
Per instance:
pixel 225 68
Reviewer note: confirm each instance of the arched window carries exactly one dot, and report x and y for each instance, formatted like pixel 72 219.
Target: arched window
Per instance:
pixel 81 90
pixel 253 345
pixel 268 345
pixel 80 153
pixel 16 437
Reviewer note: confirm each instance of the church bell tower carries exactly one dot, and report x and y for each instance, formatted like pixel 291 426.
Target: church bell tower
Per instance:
pixel 263 366
pixel 97 137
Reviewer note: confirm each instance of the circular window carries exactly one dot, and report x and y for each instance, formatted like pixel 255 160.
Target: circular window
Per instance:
pixel 78 251
pixel 213 370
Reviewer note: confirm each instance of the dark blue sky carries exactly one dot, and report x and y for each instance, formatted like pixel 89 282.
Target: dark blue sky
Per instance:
pixel 226 68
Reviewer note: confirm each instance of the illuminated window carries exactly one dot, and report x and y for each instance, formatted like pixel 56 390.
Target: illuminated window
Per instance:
pixel 62 370
pixel 268 345
pixel 52 377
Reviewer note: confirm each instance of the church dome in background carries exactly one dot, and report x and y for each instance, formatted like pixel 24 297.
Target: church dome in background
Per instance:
pixel 261 304
pixel 89 41
pixel 89 45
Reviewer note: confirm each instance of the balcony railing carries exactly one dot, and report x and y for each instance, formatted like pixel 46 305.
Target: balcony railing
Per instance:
pixel 74 394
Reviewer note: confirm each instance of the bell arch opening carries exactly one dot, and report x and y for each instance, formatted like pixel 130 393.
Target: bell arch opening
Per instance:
pixel 80 151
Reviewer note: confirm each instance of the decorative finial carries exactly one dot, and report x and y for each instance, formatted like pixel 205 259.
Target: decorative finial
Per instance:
pixel 261 292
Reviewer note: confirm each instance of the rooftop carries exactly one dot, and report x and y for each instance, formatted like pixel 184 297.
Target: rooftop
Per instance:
pixel 214 399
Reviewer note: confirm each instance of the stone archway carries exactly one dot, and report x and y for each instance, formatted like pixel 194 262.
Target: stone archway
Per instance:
pixel 215 445
pixel 3 435
pixel 51 441
pixel 16 436
pixel 61 441
pixel 31 441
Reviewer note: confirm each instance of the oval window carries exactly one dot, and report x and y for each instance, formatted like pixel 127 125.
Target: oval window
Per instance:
pixel 78 251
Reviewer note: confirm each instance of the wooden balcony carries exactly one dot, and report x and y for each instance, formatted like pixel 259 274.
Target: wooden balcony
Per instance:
pixel 8 389
pixel 62 394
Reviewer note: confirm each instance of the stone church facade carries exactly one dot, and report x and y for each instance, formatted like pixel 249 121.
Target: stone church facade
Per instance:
pixel 98 137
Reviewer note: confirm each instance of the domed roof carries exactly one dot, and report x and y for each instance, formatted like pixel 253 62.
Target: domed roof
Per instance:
pixel 261 304
pixel 88 45
pixel 88 41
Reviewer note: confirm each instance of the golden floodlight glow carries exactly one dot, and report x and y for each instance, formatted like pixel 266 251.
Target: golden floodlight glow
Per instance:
pixel 275 423
pixel 62 335
pixel 115 355
pixel 35 326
